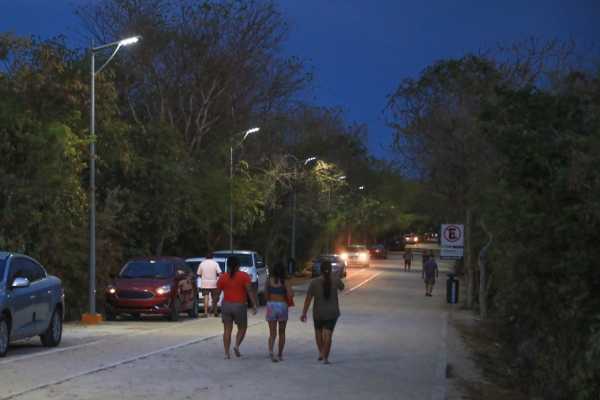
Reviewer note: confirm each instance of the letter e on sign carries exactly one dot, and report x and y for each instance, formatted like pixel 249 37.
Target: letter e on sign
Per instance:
pixel 452 235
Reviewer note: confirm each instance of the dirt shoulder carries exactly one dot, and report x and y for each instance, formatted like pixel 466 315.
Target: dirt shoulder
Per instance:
pixel 478 366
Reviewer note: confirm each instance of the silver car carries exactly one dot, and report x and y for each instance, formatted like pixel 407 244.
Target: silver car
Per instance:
pixel 31 302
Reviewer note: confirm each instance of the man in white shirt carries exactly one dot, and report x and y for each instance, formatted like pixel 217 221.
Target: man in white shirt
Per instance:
pixel 209 272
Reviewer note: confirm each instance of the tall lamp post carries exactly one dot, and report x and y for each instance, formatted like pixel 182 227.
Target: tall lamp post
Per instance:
pixel 339 179
pixel 305 162
pixel 92 317
pixel 231 146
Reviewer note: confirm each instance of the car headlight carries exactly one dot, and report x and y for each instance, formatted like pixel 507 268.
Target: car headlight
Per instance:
pixel 111 290
pixel 344 256
pixel 163 289
pixel 363 256
pixel 416 238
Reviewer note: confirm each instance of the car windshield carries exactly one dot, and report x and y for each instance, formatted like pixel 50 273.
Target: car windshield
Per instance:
pixel 193 265
pixel 356 248
pixel 328 258
pixel 245 259
pixel 147 269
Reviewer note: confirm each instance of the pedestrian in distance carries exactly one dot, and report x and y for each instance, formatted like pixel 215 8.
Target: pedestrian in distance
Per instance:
pixel 237 287
pixel 408 256
pixel 430 274
pixel 326 309
pixel 279 295
pixel 209 271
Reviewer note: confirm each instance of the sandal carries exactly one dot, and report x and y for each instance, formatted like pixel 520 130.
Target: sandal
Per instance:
pixel 237 352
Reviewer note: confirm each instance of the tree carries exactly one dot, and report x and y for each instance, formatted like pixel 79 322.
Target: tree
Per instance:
pixel 437 132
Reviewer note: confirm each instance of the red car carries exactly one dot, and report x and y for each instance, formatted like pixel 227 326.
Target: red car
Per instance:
pixel 153 285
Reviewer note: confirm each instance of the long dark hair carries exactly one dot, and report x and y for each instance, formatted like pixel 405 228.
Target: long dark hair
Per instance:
pixel 278 272
pixel 233 264
pixel 326 274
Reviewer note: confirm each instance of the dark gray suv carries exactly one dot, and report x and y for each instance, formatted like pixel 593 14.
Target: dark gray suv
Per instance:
pixel 31 302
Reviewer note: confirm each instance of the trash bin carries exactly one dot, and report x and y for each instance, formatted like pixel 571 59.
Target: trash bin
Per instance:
pixel 452 289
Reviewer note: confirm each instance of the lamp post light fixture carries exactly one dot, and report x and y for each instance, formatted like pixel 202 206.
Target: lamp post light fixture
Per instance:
pixel 92 317
pixel 231 146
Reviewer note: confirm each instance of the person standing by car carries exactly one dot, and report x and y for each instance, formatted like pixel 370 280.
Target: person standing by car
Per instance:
pixel 237 287
pixel 326 310
pixel 408 257
pixel 279 294
pixel 209 271
pixel 430 273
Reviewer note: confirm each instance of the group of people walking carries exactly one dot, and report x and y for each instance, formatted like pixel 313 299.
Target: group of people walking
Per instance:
pixel 236 287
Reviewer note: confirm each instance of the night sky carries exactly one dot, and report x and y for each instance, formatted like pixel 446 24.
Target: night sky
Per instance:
pixel 360 49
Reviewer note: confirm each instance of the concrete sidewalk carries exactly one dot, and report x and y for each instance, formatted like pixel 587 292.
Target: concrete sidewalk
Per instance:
pixel 390 343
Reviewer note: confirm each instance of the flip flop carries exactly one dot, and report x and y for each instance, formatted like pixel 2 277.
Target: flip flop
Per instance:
pixel 237 352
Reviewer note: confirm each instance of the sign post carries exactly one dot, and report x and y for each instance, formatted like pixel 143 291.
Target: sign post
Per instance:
pixel 453 241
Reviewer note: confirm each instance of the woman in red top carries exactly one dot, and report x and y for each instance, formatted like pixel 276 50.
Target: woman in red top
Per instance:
pixel 237 287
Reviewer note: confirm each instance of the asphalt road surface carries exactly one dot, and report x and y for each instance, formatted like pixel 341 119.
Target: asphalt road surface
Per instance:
pixel 390 343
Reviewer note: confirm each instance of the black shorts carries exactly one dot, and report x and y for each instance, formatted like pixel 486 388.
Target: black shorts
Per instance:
pixel 328 324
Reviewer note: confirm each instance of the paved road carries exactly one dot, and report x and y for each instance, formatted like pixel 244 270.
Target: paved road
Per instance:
pixel 390 343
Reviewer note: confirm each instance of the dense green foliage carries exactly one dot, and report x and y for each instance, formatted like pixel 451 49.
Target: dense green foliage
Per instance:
pixel 522 155
pixel 167 111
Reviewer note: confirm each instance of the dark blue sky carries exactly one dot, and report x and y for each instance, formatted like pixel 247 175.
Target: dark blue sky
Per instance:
pixel 361 49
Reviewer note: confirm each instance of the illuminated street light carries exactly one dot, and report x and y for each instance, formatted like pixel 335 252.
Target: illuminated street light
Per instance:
pixel 246 134
pixel 92 316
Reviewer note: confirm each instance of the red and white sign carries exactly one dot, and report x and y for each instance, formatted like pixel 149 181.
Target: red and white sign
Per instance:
pixel 452 235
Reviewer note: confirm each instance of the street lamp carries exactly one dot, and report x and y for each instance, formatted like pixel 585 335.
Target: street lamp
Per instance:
pixel 340 178
pixel 246 134
pixel 92 317
pixel 306 161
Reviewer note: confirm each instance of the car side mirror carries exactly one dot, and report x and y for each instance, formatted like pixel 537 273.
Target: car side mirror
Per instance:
pixel 20 282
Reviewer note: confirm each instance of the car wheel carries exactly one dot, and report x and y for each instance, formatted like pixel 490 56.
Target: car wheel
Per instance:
pixel 193 313
pixel 53 335
pixel 4 336
pixel 175 308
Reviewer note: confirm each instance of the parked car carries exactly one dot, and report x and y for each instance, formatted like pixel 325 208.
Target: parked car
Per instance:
pixel 31 302
pixel 153 285
pixel 250 262
pixel 356 254
pixel 378 251
pixel 338 266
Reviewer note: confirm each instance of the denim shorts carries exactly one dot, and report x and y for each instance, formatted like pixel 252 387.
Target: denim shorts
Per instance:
pixel 277 311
